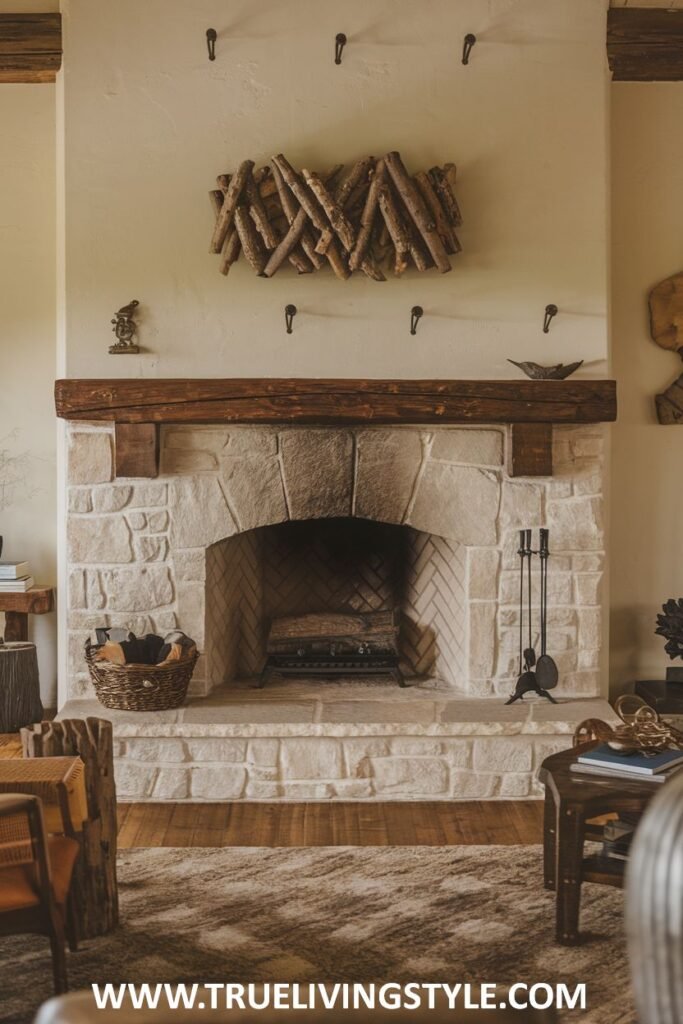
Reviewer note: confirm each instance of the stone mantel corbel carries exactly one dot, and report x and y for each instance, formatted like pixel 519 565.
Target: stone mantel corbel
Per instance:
pixel 528 407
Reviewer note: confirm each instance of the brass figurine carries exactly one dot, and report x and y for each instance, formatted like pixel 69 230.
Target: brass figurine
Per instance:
pixel 642 729
pixel 124 328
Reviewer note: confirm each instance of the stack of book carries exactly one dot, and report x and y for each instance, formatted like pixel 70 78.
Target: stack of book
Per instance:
pixel 617 836
pixel 608 763
pixel 15 578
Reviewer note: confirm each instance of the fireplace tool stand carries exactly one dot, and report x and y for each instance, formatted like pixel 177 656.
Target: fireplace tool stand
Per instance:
pixel 527 681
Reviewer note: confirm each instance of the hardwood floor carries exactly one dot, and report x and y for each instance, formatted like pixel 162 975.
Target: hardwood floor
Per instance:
pixel 505 822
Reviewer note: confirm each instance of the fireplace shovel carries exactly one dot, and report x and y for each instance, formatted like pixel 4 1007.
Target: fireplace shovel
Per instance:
pixel 546 669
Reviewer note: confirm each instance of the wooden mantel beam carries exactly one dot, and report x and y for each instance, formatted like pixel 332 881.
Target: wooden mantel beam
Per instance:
pixel 314 400
pixel 30 47
pixel 645 44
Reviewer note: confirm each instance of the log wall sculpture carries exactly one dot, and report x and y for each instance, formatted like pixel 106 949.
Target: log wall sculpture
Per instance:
pixel 666 328
pixel 376 217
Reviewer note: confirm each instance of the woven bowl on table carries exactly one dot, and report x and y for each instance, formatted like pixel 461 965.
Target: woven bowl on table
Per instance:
pixel 139 687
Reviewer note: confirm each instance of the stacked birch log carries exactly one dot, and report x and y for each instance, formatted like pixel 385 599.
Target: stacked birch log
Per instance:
pixel 375 216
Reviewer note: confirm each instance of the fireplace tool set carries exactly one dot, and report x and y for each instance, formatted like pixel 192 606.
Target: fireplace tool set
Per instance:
pixel 536 675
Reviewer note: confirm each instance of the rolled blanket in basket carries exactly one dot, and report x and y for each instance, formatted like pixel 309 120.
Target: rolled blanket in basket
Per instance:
pixel 136 651
pixel 177 647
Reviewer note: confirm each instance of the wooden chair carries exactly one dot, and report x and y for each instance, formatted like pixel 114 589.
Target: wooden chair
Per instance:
pixel 35 879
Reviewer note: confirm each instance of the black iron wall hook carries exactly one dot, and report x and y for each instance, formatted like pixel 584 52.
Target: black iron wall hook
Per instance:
pixel 467 44
pixel 415 314
pixel 340 42
pixel 211 37
pixel 290 313
pixel 550 311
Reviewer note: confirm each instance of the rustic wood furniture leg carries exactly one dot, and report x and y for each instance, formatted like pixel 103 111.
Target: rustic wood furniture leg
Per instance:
pixel 16 626
pixel 549 837
pixel 569 860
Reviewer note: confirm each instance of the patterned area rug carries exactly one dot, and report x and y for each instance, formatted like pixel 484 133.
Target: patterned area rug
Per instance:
pixel 472 913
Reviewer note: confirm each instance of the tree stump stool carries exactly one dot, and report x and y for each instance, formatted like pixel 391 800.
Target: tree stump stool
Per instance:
pixel 19 687
pixel 94 881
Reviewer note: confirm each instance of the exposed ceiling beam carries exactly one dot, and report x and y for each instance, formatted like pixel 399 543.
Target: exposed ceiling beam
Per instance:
pixel 30 47
pixel 645 44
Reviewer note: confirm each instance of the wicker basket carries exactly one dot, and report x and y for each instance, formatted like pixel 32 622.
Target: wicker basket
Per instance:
pixel 139 687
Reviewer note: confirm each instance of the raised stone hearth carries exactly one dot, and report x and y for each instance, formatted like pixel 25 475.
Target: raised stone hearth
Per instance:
pixel 339 741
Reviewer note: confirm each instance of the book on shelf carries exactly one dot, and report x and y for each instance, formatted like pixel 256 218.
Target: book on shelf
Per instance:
pixel 600 772
pixel 16 586
pixel 13 570
pixel 633 764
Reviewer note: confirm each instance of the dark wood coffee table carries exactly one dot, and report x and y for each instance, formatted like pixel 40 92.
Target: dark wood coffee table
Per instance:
pixel 571 802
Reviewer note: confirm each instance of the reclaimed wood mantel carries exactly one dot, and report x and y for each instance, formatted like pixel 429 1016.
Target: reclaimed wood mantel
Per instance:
pixel 530 407
pixel 30 47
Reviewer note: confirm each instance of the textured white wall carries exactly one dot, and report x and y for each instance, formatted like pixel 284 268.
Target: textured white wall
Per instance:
pixel 647 458
pixel 27 346
pixel 150 122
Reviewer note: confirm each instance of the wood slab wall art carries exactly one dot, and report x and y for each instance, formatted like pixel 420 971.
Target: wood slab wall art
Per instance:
pixel 666 327
pixel 375 217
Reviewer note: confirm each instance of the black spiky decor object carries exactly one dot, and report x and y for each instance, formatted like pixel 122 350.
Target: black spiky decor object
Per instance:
pixel 670 625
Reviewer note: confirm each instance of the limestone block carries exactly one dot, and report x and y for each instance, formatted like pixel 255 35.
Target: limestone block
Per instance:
pixel 402 776
pixel 311 758
pixel 163 623
pixel 588 447
pixel 257 790
pixel 143 589
pixel 157 522
pixel 95 595
pixel 90 458
pixel 353 789
pixel 587 588
pixel 457 502
pixel 502 754
pixel 80 499
pixel 137 520
pixel 264 773
pixel 588 659
pixel 576 524
pixel 177 461
pixel 251 441
pixel 140 625
pixel 473 447
pixel 255 492
pixel 358 752
pixel 515 785
pixel 99 539
pixel 223 749
pixel 308 790
pixel 482 574
pixel 195 438
pixel 588 563
pixel 111 499
pixel 318 472
pixel 263 752
pixel 417 746
pixel 80 686
pixel 482 642
pixel 192 610
pixel 190 565
pixel 134 781
pixel 548 746
pixel 155 749
pixel 77 589
pixel 151 549
pixel 151 495
pixel 172 784
pixel 226 782
pixel 590 627
pixel 473 785
pixel 522 505
pixel 458 752
pixel 200 512
pixel 588 483
pixel 387 464
pixel 559 587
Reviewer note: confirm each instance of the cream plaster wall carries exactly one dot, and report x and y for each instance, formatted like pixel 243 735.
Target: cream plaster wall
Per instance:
pixel 647 459
pixel 27 341
pixel 150 122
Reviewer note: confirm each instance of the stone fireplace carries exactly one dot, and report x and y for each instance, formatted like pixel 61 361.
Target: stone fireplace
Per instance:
pixel 247 523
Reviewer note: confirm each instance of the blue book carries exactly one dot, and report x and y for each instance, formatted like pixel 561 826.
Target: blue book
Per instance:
pixel 636 764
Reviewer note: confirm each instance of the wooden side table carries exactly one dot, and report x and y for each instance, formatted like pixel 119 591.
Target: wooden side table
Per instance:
pixel 571 802
pixel 17 608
